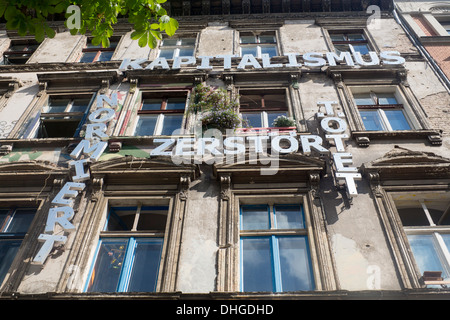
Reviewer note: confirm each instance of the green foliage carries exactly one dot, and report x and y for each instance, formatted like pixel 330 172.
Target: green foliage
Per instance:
pixel 217 108
pixel 148 17
pixel 283 122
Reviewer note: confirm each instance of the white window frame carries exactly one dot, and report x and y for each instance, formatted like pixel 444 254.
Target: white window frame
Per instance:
pixel 258 45
pixel 435 231
pixel 409 116
pixel 176 47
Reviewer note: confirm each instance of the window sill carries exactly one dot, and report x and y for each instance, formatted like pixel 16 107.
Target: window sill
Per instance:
pixel 266 129
pixel 363 138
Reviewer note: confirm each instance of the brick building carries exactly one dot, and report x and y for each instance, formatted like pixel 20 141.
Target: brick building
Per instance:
pixel 428 23
pixel 113 187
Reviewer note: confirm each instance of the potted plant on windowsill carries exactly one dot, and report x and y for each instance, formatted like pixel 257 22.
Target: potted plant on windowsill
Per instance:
pixel 284 122
pixel 217 109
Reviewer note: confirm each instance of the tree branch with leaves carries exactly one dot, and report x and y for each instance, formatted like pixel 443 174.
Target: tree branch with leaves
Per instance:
pixel 97 18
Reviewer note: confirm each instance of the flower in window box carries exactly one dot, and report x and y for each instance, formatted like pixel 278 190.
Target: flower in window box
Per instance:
pixel 217 109
pixel 283 122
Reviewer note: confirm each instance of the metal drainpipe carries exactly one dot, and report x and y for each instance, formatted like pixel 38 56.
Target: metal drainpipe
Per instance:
pixel 436 69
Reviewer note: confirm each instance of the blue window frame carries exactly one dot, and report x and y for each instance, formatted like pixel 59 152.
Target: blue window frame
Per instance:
pixel 274 249
pixel 14 224
pixel 129 251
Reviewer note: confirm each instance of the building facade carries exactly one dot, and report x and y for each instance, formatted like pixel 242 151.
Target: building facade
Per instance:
pixel 428 24
pixel 111 186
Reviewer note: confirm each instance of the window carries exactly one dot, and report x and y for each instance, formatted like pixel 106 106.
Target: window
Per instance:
pixel 160 113
pixel 257 45
pixel 261 107
pixel 274 249
pixel 426 221
pixel 63 116
pixel 129 250
pixel 350 42
pixel 14 224
pixel 446 25
pixel 93 53
pixel 19 51
pixel 181 47
pixel 381 112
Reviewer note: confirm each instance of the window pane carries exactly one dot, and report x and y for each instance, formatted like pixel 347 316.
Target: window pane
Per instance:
pixel 271 116
pixel 253 119
pixel 169 42
pixel 79 105
pixel 371 120
pixel 151 104
pixel 255 217
pixel 88 57
pixel 253 50
pixel 121 219
pixel 186 52
pixel 289 217
pixel 256 265
pixel 361 48
pixel 146 125
pixel 386 98
pixel 188 41
pixel 446 238
pixel 176 103
pixel 8 250
pixel 166 53
pixel 413 216
pixel 248 39
pixel 152 218
pixel 355 37
pixel 109 263
pixel 270 50
pixel 274 100
pixel 105 56
pixel 337 37
pixel 21 221
pixel 250 101
pixel 144 273
pixel 424 251
pixel 56 105
pixel 397 120
pixel 171 123
pixel 338 48
pixel 294 264
pixel 267 39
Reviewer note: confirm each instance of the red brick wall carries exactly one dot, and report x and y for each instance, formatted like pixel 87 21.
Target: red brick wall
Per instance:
pixel 423 24
pixel 441 54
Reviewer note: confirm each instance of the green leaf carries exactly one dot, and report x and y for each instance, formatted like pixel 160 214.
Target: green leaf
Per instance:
pixel 137 34
pixel 152 42
pixel 156 34
pixel 105 42
pixel 143 41
pixel 50 32
pixel 171 27
pixel 154 26
pixel 10 13
pixel 39 33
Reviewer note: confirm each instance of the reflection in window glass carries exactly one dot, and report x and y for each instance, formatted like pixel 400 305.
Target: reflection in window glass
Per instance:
pixel 255 218
pixel 146 125
pixel 110 258
pixel 425 253
pixel 294 264
pixel 171 123
pixel 144 274
pixel 257 265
